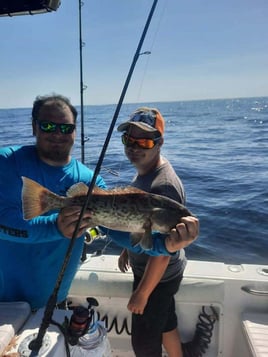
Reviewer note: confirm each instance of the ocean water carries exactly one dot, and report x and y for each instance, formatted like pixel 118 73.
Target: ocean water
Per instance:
pixel 219 148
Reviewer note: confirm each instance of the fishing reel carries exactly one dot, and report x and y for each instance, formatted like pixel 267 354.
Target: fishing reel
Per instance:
pixel 81 321
pixel 93 233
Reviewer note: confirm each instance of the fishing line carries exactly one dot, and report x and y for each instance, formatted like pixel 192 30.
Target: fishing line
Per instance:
pixel 36 344
pixel 148 53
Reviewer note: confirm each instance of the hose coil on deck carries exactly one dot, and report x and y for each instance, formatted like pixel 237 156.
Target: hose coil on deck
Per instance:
pixel 194 348
pixel 203 334
pixel 115 324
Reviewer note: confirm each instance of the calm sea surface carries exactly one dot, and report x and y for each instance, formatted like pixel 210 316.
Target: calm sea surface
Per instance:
pixel 219 148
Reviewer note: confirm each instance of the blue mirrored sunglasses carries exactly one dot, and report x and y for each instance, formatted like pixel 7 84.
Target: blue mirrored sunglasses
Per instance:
pixel 50 127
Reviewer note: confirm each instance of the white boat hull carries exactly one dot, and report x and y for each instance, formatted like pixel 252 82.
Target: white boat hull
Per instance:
pixel 237 293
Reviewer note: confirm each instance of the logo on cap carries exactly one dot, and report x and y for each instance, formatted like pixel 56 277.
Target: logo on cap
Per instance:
pixel 147 119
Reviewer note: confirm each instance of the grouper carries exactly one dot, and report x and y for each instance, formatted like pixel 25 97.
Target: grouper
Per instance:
pixel 126 209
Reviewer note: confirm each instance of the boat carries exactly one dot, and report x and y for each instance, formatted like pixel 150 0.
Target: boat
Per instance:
pixel 222 311
pixel 25 7
pixel 222 308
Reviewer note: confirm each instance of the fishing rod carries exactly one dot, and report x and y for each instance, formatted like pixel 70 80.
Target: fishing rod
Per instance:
pixel 81 82
pixel 82 86
pixel 36 344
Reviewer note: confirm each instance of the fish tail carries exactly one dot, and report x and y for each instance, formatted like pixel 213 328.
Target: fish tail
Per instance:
pixel 36 199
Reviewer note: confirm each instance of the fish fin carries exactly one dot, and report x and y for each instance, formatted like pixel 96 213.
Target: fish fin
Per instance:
pixel 117 190
pixel 81 189
pixel 135 238
pixel 147 241
pixel 78 189
pixel 35 199
pixel 143 239
pixel 99 191
pixel 129 189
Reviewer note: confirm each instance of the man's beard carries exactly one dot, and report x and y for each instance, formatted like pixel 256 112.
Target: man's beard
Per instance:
pixel 57 156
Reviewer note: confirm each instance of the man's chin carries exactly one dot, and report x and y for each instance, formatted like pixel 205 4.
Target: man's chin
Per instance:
pixel 134 158
pixel 57 156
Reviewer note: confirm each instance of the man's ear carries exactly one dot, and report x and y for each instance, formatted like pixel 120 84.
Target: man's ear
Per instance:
pixel 160 141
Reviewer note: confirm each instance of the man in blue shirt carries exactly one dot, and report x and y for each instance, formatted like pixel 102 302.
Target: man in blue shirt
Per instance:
pixel 32 252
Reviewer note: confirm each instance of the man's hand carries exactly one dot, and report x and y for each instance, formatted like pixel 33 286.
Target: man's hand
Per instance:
pixel 67 220
pixel 137 302
pixel 183 234
pixel 123 262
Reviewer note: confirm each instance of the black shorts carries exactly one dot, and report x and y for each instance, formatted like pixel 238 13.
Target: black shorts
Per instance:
pixel 159 316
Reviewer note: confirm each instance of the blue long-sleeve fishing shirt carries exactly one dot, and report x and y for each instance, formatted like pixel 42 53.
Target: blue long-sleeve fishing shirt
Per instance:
pixel 32 252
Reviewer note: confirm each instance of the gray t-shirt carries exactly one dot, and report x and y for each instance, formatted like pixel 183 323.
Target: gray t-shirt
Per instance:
pixel 162 181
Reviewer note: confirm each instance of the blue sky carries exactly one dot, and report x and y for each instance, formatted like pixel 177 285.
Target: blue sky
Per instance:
pixel 199 49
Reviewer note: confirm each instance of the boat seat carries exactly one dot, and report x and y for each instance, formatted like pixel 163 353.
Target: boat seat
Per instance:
pixel 13 315
pixel 255 327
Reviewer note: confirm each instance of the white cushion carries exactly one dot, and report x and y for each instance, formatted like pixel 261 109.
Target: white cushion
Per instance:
pixel 12 317
pixel 255 326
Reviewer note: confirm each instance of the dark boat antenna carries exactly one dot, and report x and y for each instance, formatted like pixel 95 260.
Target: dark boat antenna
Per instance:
pixel 36 344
